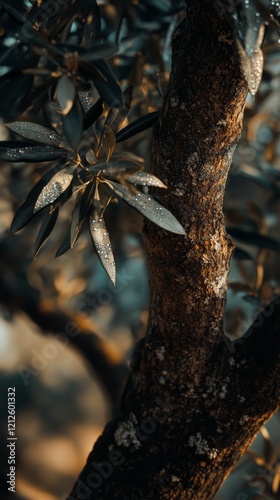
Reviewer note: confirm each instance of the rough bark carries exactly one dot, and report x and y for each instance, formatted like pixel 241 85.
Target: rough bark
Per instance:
pixel 193 403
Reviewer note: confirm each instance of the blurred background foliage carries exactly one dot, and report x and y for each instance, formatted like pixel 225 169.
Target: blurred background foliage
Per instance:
pixel 66 393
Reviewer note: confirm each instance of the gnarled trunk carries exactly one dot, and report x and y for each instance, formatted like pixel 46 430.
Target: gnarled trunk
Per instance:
pixel 193 404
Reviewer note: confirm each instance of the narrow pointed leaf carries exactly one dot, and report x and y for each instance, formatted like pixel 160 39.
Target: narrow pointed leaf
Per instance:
pixel 86 200
pixel 86 98
pixel 101 241
pixel 45 230
pixel 99 52
pixel 65 94
pixel 92 29
pixel 118 114
pixel 108 89
pixel 146 179
pixel 93 114
pixel 37 133
pixel 55 187
pixel 53 116
pixel 120 170
pixel 26 211
pixel 75 226
pixel 241 254
pixel 16 14
pixel 73 125
pixel 24 151
pixel 64 246
pixel 137 126
pixel 148 207
pixel 254 238
pixel 77 220
pixel 107 142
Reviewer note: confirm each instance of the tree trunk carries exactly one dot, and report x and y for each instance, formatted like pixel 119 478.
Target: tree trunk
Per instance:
pixel 193 402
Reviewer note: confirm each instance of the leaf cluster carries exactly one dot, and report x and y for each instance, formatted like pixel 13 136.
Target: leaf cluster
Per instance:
pixel 72 110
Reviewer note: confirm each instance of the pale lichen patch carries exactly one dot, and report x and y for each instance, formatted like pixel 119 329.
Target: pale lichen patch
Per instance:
pixel 126 435
pixel 244 419
pixel 174 101
pixel 202 446
pixel 160 353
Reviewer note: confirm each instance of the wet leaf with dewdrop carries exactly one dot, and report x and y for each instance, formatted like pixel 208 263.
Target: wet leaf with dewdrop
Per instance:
pixel 37 133
pixel 252 31
pixel 150 208
pixel 24 151
pixel 58 184
pixel 26 211
pixel 146 179
pixel 101 240
pixel 120 170
pixel 252 65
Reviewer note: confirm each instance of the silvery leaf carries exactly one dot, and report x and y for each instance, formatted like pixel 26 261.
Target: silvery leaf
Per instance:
pixel 117 169
pixel 37 133
pixel 101 240
pixel 23 151
pixel 148 207
pixel 146 179
pixel 252 68
pixel 65 94
pixel 57 185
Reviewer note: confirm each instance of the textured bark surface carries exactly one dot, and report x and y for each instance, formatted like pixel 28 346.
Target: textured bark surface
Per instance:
pixel 193 403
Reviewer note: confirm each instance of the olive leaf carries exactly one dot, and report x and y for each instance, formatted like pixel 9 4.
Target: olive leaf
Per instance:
pixel 241 254
pixel 92 29
pixel 73 124
pixel 101 240
pixel 137 126
pixel 36 132
pixel 254 238
pixel 45 230
pixel 118 170
pixel 55 187
pixel 108 88
pixel 107 142
pixel 92 113
pixel 99 52
pixel 65 94
pixel 146 179
pixel 148 207
pixel 118 114
pixel 25 151
pixel 26 211
pixel 64 246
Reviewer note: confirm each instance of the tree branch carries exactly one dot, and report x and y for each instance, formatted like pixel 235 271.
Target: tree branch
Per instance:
pixel 192 405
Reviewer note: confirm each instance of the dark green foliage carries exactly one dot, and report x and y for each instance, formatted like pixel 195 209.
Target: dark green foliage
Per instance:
pixel 65 63
pixel 67 77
